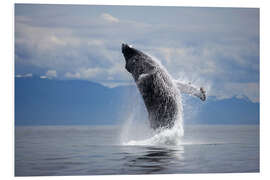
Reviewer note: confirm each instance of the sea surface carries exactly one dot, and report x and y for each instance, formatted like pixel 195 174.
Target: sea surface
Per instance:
pixel 99 150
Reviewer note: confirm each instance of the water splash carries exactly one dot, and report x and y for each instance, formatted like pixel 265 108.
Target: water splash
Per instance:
pixel 163 137
pixel 134 132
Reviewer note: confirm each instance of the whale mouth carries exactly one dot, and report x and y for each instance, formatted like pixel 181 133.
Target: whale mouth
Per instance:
pixel 128 51
pixel 125 47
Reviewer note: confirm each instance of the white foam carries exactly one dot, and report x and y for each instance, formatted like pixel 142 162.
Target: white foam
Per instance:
pixel 171 137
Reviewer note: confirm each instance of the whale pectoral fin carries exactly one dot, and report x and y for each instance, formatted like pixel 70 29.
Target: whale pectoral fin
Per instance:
pixel 189 89
pixel 143 76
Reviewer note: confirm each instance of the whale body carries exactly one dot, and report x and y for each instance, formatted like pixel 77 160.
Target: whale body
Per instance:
pixel 160 94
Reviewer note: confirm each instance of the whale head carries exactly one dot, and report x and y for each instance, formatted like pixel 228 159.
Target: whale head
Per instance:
pixel 137 62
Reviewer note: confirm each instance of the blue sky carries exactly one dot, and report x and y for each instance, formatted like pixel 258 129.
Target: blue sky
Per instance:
pixel 217 48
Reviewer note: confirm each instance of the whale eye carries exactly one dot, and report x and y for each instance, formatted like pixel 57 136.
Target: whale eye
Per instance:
pixel 134 60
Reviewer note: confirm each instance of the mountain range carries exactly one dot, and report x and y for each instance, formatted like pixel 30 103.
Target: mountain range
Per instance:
pixel 77 102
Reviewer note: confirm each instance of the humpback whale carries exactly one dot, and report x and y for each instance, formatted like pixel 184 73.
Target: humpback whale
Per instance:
pixel 160 92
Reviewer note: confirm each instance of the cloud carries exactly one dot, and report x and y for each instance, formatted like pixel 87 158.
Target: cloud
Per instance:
pixel 210 47
pixel 109 18
pixel 112 84
pixel 43 77
pixel 100 74
pixel 240 90
pixel 24 75
pixel 85 73
pixel 51 73
pixel 70 75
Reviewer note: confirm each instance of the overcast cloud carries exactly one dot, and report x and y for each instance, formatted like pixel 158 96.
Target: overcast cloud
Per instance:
pixel 217 48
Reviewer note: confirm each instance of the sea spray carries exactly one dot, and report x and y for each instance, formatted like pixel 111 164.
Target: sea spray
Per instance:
pixel 147 136
pixel 170 137
pixel 135 125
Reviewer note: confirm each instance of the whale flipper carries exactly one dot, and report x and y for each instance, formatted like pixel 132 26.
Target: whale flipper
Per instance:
pixel 189 89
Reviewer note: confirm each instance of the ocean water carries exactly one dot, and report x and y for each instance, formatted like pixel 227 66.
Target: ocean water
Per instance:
pixel 100 150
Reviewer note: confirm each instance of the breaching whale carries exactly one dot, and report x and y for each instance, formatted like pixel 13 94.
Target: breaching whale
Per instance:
pixel 160 93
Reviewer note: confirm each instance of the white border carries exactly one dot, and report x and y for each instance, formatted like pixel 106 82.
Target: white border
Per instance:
pixel 7 81
pixel 202 3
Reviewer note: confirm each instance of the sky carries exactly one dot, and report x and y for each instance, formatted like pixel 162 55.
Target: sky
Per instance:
pixel 217 48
